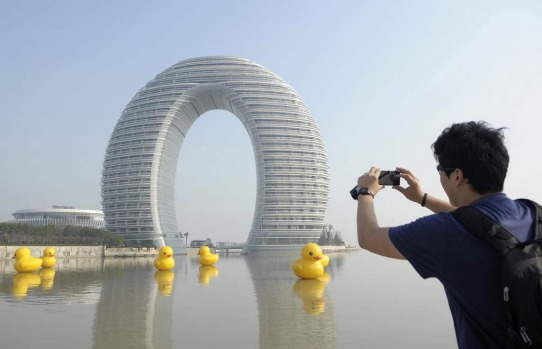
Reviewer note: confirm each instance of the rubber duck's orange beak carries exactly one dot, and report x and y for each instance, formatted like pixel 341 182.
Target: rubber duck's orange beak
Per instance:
pixel 317 257
pixel 168 255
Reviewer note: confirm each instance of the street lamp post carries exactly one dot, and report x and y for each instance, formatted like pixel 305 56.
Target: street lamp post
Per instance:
pixel 186 237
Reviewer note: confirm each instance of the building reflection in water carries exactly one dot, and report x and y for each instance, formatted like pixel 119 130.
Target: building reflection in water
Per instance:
pixel 134 310
pixel 283 319
pixel 134 305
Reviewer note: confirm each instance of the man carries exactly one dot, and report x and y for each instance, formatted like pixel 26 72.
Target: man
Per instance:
pixel 472 165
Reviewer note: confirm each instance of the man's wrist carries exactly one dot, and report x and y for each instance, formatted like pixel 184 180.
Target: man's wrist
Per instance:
pixel 366 191
pixel 424 200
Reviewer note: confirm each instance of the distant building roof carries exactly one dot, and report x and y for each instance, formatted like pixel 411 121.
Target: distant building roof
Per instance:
pixel 60 215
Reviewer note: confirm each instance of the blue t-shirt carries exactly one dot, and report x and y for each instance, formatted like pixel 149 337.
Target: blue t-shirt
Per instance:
pixel 438 246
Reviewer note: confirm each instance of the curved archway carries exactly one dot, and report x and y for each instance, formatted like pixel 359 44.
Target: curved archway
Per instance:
pixel 138 176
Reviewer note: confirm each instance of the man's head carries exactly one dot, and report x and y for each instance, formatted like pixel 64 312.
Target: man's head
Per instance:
pixel 476 149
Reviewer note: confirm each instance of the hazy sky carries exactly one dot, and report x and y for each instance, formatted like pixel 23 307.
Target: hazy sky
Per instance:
pixel 381 78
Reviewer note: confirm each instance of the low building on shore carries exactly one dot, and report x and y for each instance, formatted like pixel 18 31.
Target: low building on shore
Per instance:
pixel 61 215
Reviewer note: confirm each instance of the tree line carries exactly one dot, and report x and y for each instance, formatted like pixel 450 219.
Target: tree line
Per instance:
pixel 24 234
pixel 330 237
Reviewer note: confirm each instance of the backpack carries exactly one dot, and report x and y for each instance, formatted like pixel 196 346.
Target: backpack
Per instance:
pixel 521 274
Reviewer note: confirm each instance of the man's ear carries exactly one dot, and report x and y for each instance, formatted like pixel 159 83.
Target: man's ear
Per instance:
pixel 460 177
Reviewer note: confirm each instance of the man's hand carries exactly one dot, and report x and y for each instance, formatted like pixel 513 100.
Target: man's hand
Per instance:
pixel 369 180
pixel 414 191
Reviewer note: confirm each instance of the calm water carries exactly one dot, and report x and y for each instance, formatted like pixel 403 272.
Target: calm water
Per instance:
pixel 245 302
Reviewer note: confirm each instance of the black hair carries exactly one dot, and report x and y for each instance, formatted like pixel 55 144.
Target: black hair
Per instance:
pixel 478 150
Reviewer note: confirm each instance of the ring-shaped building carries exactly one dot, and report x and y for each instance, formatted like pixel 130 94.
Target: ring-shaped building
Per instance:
pixel 138 178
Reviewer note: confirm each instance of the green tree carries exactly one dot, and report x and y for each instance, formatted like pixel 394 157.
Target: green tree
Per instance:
pixel 21 234
pixel 330 237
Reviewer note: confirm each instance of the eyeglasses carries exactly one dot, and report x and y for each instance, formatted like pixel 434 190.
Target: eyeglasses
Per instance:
pixel 441 168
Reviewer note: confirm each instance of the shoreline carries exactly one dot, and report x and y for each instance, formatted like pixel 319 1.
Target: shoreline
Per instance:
pixel 86 251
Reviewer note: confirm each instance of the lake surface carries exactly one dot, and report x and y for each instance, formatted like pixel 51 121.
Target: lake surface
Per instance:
pixel 244 302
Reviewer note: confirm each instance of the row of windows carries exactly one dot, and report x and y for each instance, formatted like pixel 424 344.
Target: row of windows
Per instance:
pixel 111 199
pixel 300 194
pixel 292 227
pixel 291 153
pixel 293 145
pixel 294 210
pixel 141 119
pixel 140 103
pixel 276 91
pixel 123 206
pixel 131 214
pixel 87 222
pixel 206 78
pixel 295 169
pixel 121 190
pixel 292 130
pixel 129 222
pixel 112 167
pixel 142 181
pixel 293 177
pixel 282 108
pixel 289 185
pixel 286 220
pixel 130 149
pixel 297 161
pixel 150 134
pixel 284 241
pixel 127 173
pixel 141 127
pixel 274 136
pixel 283 121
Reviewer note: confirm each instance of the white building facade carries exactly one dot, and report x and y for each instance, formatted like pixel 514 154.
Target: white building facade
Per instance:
pixel 61 215
pixel 138 178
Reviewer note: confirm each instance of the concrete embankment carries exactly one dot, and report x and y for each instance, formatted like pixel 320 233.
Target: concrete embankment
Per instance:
pixel 7 252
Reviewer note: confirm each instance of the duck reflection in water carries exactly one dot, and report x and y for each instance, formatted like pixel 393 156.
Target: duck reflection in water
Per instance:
pixel 22 282
pixel 311 291
pixel 47 276
pixel 164 279
pixel 206 272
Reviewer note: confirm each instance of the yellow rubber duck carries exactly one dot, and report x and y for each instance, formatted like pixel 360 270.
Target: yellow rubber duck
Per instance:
pixel 24 263
pixel 48 258
pixel 206 257
pixel 165 260
pixel 22 282
pixel 312 294
pixel 164 279
pixel 47 276
pixel 206 272
pixel 324 260
pixel 309 265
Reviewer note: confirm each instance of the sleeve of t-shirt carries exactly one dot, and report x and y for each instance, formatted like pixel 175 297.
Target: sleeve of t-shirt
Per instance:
pixel 423 243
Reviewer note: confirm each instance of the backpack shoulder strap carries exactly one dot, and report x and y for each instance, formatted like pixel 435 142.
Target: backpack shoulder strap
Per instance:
pixel 538 217
pixel 486 229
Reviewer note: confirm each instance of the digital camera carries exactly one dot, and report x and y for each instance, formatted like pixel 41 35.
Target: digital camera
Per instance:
pixel 389 178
